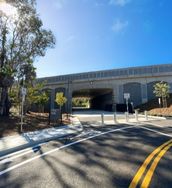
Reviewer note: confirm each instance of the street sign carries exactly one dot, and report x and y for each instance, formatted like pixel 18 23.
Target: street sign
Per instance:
pixel 54 114
pixel 126 95
pixel 23 91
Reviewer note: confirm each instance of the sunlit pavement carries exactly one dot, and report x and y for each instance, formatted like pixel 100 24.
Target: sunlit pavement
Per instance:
pixel 99 157
pixel 94 117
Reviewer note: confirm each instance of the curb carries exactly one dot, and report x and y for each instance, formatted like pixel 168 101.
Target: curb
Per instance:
pixel 154 117
pixel 33 143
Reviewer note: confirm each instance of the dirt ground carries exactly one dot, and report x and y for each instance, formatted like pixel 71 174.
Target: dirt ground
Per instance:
pixel 32 122
pixel 161 111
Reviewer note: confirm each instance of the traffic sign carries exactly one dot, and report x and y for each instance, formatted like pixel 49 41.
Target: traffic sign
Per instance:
pixel 23 91
pixel 126 95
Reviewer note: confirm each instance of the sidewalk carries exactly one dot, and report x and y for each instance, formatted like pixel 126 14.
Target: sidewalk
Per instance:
pixel 14 143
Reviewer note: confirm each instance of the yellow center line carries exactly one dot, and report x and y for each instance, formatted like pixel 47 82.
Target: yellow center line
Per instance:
pixel 142 169
pixel 149 174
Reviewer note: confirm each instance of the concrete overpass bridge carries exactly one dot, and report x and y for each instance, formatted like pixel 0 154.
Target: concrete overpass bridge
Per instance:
pixel 106 88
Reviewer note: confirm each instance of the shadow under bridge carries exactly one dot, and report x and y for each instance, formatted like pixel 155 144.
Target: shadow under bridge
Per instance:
pixel 99 99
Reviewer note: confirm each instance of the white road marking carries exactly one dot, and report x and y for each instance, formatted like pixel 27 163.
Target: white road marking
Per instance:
pixel 158 132
pixel 62 147
pixel 21 152
pixel 156 125
pixel 7 160
pixel 12 156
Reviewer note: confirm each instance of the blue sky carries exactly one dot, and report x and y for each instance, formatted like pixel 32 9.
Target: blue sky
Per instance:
pixel 105 34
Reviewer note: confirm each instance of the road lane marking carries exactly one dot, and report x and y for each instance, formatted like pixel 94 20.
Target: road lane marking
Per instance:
pixel 158 132
pixel 145 164
pixel 62 147
pixel 149 174
pixel 20 153
pixel 154 124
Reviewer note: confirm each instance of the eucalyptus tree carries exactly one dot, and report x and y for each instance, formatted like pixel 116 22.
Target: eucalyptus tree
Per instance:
pixel 22 40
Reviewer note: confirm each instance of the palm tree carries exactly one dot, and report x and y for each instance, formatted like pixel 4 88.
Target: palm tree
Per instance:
pixel 162 89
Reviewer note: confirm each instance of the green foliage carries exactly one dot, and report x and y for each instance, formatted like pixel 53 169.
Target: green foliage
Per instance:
pixel 14 96
pixel 80 102
pixel 162 90
pixel 27 74
pixel 36 95
pixel 22 40
pixel 60 99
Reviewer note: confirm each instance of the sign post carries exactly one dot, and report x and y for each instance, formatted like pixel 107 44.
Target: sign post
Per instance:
pixel 159 101
pixel 23 94
pixel 126 97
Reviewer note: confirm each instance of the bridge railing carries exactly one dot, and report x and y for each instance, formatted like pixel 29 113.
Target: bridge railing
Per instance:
pixel 125 72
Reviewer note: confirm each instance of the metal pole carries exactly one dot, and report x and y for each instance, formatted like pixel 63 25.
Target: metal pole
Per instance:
pixel 136 115
pixel 68 101
pixel 102 118
pixel 126 116
pixel 159 101
pixel 146 115
pixel 127 105
pixel 114 116
pixel 21 128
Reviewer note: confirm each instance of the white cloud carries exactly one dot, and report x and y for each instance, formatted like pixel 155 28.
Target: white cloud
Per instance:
pixel 119 2
pixel 119 26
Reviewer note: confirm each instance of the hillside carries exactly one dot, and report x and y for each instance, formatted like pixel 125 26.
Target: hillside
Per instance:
pixel 153 107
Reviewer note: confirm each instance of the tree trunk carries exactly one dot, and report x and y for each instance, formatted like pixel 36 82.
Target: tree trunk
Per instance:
pixel 61 114
pixel 163 102
pixel 5 103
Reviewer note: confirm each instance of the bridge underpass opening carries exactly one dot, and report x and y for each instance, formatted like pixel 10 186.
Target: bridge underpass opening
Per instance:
pixel 97 99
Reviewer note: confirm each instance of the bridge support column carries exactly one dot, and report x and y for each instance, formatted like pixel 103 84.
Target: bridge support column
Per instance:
pixel 144 92
pixel 170 87
pixel 69 102
pixel 113 103
pixel 121 94
pixel 52 98
pixel 115 97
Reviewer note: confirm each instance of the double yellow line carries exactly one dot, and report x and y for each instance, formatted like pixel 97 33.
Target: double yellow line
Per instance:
pixel 160 152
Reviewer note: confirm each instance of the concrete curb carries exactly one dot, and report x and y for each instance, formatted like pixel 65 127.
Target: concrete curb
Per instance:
pixel 31 144
pixel 154 117
pixel 78 128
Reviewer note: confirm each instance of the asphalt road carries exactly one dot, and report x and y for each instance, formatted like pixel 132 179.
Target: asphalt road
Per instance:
pixel 113 156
